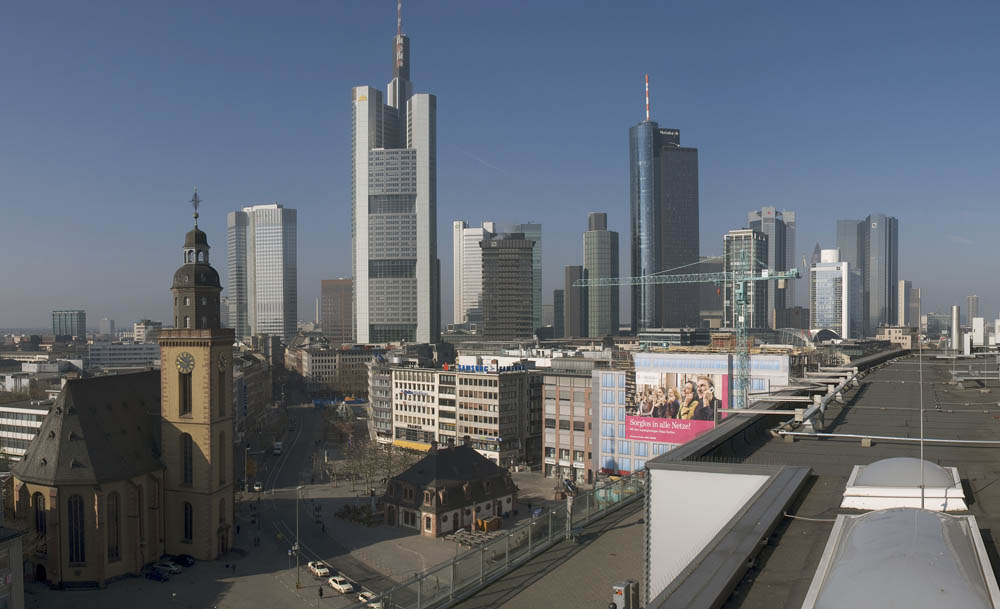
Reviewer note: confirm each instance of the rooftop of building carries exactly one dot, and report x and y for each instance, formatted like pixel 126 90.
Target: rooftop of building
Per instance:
pixel 884 407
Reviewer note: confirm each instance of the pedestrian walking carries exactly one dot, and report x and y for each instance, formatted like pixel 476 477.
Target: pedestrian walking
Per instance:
pixel 237 529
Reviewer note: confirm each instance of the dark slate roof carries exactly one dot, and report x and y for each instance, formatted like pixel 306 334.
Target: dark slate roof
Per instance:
pixel 449 470
pixel 100 429
pixel 195 274
pixel 195 236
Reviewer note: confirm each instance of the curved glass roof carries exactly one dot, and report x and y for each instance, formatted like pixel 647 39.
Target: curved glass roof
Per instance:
pixel 904 472
pixel 905 557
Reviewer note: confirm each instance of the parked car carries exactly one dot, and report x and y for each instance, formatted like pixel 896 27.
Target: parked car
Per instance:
pixel 367 597
pixel 184 560
pixel 340 584
pixel 318 568
pixel 257 486
pixel 158 575
pixel 168 566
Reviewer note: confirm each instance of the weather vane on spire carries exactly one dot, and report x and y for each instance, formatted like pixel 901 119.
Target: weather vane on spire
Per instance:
pixel 195 202
pixel 399 17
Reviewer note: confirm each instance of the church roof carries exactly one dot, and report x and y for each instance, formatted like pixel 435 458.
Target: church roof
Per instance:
pixel 99 430
pixel 196 274
pixel 459 469
pixel 194 237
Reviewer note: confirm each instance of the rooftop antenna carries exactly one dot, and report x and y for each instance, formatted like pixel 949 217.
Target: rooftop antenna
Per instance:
pixel 195 202
pixel 647 94
pixel 399 17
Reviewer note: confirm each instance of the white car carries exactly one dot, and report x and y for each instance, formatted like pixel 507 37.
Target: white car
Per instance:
pixel 318 568
pixel 258 487
pixel 340 584
pixel 168 566
pixel 367 597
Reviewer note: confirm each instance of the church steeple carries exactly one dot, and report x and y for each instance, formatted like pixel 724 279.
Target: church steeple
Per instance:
pixel 196 285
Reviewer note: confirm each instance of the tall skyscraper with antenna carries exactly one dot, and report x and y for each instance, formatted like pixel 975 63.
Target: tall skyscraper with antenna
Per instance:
pixel 394 209
pixel 663 214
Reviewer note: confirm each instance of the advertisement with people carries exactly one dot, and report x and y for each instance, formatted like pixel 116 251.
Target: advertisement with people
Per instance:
pixel 677 399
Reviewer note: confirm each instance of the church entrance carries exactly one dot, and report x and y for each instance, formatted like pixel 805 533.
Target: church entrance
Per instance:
pixel 40 573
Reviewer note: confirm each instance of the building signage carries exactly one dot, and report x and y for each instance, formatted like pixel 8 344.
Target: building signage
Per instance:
pixel 579 465
pixel 668 431
pixel 550 461
pixel 492 368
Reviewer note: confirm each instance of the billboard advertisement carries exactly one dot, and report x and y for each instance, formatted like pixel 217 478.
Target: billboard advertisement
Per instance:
pixel 677 397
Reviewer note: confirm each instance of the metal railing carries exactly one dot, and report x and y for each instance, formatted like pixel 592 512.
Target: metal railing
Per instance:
pixel 456 579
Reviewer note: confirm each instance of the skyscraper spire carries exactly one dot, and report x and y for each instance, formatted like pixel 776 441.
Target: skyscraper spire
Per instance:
pixel 399 17
pixel 647 95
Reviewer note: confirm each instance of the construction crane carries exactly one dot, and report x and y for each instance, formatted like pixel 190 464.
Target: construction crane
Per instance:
pixel 740 278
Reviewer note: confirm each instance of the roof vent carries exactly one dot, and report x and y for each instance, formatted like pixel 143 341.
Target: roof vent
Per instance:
pixel 52 434
pixel 43 461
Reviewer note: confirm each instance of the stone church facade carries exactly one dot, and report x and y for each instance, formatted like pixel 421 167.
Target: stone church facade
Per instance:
pixel 126 468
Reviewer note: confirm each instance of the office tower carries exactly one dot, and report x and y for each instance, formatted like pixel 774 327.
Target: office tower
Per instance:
pixel 790 263
pixel 600 261
pixel 834 296
pixel 914 315
pixel 106 327
pixel 971 307
pixel 336 296
pixel 468 271
pixel 147 331
pixel 710 294
pixel 574 304
pixel 507 287
pixel 224 312
pixel 879 248
pixel 904 287
pixel 745 252
pixel 956 328
pixel 533 232
pixel 771 222
pixel 848 242
pixel 558 314
pixel 663 220
pixel 263 272
pixel 69 323
pixel 394 210
pixel 817 256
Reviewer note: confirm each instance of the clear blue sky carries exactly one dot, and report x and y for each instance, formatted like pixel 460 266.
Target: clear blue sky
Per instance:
pixel 114 111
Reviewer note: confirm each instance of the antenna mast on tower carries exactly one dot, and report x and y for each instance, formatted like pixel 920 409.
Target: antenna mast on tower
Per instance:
pixel 647 94
pixel 399 17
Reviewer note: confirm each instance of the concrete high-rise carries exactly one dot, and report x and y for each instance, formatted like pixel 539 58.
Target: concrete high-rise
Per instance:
pixel 558 313
pixel 745 252
pixel 600 261
pixel 908 307
pixel 790 244
pixel 914 314
pixel 663 220
pixel 771 222
pixel 468 270
pixel 106 327
pixel 397 289
pixel 971 307
pixel 533 231
pixel 335 310
pixel 574 304
pixel 70 323
pixel 834 296
pixel 263 271
pixel 507 288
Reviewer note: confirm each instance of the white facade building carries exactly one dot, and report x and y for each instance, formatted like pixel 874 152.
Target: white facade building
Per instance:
pixel 263 271
pixel 19 423
pixel 146 331
pixel 834 296
pixel 396 270
pixel 468 272
pixel 102 354
pixel 978 332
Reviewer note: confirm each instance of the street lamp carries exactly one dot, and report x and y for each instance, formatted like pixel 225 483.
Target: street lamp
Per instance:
pixel 298 493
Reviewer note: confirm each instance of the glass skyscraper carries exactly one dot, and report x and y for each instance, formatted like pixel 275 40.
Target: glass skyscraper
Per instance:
pixel 663 214
pixel 263 271
pixel 468 270
pixel 771 222
pixel 744 251
pixel 834 296
pixel 872 247
pixel 69 323
pixel 394 210
pixel 600 261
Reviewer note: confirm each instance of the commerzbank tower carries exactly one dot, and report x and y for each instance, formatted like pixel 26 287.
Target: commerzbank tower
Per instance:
pixel 394 213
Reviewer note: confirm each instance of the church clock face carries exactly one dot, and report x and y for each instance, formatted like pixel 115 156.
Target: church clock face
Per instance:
pixel 185 363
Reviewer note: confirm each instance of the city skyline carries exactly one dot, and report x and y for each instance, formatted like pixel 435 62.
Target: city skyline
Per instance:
pixel 108 155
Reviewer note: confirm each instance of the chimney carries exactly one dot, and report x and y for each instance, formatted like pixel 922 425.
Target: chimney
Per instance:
pixel 466 441
pixel 434 446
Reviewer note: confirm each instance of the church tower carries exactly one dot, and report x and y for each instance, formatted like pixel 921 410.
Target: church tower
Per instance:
pixel 196 377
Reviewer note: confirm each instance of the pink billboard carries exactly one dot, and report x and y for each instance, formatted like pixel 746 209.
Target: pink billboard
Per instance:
pixel 669 431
